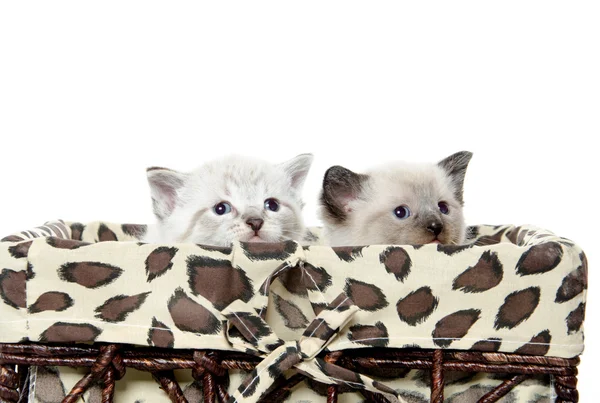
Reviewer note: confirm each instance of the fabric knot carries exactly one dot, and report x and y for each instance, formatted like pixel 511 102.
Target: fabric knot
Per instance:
pixel 248 332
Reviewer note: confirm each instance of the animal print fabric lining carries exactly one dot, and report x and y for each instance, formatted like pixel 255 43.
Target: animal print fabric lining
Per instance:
pixel 510 289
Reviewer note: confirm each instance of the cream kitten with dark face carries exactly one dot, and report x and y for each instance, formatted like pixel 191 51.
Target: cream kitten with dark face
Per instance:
pixel 398 203
pixel 230 199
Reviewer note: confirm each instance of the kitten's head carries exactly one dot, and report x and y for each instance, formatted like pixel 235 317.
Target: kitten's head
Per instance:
pixel 230 199
pixel 397 203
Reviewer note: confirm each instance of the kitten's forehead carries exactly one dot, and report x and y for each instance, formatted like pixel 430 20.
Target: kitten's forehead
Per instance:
pixel 410 180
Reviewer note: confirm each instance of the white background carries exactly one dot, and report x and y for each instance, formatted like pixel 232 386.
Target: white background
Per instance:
pixel 93 93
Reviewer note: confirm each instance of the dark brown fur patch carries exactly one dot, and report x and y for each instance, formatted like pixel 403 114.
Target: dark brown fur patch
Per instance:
pixel 396 261
pixel 518 307
pixel 540 259
pixel 366 296
pixel 452 249
pixel 454 326
pixel 52 301
pixel 538 345
pixel 105 234
pixel 19 250
pixel 12 287
pixel 376 336
pixel 268 251
pixel 291 314
pixel 284 362
pixel 89 274
pixel 249 384
pixel 486 274
pixel 339 373
pixel 218 281
pixel 303 277
pixel 134 230
pixel 70 332
pixel 575 319
pixel 160 335
pixel 117 308
pixel 159 261
pixel 416 307
pixel 190 316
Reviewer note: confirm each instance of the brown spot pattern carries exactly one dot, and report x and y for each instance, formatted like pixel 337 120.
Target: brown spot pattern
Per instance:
pixel 159 261
pixel 348 253
pixel 62 243
pixel 518 307
pixel 89 274
pixel 575 319
pixel 303 277
pixel 366 296
pixel 134 230
pixel 486 274
pixel 454 326
pixel 284 362
pixel 70 332
pixel 48 385
pixel 160 335
pixel 268 251
pixel 320 329
pixel 19 250
pixel 452 249
pixel 291 314
pixel 105 234
pixel 249 326
pixel 77 231
pixel 489 345
pixel 12 238
pixel 117 308
pixel 572 285
pixel 190 316
pixel 218 281
pixel 52 301
pixel 538 345
pixel 540 259
pixel 12 287
pixel 396 261
pixel 376 336
pixel 416 307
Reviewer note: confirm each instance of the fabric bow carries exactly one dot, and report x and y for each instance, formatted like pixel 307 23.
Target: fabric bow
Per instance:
pixel 258 338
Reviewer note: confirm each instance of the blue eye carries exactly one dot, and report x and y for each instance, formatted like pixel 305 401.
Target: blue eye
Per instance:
pixel 443 206
pixel 272 204
pixel 402 212
pixel 222 208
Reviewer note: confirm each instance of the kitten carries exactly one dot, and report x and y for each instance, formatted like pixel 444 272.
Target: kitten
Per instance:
pixel 398 203
pixel 230 199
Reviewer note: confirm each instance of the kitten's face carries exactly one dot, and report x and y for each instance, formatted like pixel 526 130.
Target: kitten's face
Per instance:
pixel 232 199
pixel 396 204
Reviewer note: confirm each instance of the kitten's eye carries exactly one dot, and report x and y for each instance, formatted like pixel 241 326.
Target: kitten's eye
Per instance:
pixel 443 206
pixel 402 212
pixel 272 204
pixel 222 208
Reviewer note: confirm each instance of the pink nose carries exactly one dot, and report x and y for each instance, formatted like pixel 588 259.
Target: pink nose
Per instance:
pixel 255 223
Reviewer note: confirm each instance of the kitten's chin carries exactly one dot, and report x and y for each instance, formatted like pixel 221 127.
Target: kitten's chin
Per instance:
pixel 256 239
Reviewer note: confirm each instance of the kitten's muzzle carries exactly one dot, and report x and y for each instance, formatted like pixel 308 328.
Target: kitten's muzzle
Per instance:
pixel 255 223
pixel 435 227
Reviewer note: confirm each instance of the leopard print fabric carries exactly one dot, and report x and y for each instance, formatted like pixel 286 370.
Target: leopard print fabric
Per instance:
pixel 511 289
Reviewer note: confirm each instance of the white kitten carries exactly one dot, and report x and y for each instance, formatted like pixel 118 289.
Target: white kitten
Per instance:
pixel 398 203
pixel 230 199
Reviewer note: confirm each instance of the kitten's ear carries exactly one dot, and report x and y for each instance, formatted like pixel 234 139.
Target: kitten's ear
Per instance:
pixel 456 168
pixel 340 187
pixel 164 185
pixel 297 169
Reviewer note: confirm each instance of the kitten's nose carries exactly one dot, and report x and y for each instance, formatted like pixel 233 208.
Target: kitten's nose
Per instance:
pixel 255 223
pixel 436 227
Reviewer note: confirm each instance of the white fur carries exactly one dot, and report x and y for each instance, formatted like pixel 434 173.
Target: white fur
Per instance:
pixel 245 184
